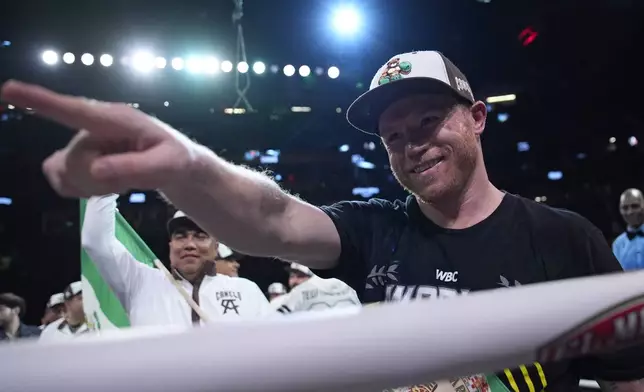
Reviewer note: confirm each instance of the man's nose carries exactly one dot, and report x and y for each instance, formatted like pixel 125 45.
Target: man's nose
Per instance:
pixel 189 243
pixel 415 149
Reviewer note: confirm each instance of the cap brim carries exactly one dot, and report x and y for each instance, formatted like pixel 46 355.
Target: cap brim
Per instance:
pixel 365 111
pixel 175 224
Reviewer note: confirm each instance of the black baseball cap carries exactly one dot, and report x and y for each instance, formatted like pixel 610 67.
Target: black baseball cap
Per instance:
pixel 403 75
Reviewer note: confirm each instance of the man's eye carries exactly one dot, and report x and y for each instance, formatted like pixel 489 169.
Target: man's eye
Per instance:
pixel 393 137
pixel 428 120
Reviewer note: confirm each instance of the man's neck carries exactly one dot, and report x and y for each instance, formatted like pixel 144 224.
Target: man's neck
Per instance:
pixel 75 322
pixel 11 328
pixel 477 202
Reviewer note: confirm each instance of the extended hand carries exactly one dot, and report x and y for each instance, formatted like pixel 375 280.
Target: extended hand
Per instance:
pixel 118 147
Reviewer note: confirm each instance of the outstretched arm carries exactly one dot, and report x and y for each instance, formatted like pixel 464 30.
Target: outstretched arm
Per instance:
pixel 98 237
pixel 249 212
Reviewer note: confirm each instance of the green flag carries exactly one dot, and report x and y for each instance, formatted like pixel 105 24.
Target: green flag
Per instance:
pixel 102 307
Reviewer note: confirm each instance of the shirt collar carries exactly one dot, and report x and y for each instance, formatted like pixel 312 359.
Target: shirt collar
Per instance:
pixel 635 229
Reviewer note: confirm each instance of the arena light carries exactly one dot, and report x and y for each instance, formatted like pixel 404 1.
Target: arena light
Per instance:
pixel 49 57
pixel 259 67
pixel 211 65
pixel 166 104
pixel 346 20
pixel 69 58
pixel 632 141
pixel 289 70
pixel 226 66
pixel 319 71
pixel 242 67
pixel 160 62
pixel 275 69
pixel 234 111
pixel 87 59
pixel 523 146
pixel 195 65
pixel 333 72
pixel 177 63
pixel 300 109
pixel 143 61
pixel 555 175
pixel 305 71
pixel 106 60
pixel 501 98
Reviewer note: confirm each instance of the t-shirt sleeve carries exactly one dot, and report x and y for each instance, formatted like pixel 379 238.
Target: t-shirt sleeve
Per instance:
pixel 601 255
pixel 360 226
pixel 621 365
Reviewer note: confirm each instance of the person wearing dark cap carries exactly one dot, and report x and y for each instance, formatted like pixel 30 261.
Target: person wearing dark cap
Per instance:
pixel 73 324
pixel 146 294
pixel 455 233
pixel 12 311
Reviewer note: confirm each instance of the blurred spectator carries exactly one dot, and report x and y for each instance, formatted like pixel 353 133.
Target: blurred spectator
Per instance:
pixel 309 292
pixel 629 246
pixel 276 295
pixel 12 310
pixel 276 290
pixel 225 262
pixel 73 324
pixel 55 310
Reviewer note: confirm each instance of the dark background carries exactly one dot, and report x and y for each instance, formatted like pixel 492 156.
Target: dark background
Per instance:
pixel 578 84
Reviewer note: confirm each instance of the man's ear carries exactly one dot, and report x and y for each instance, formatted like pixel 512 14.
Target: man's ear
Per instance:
pixel 479 114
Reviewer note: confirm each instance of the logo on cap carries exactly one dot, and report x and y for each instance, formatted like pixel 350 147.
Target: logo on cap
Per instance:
pixel 394 70
pixel 462 85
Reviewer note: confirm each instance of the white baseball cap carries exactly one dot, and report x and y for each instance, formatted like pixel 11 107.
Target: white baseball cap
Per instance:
pixel 56 299
pixel 403 75
pixel 73 289
pixel 276 288
pixel 301 269
pixel 223 251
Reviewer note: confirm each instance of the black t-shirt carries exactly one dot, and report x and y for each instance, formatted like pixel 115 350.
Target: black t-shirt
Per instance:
pixel 392 252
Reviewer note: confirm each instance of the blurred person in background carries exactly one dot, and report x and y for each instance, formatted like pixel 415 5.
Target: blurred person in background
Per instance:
pixel 12 310
pixel 628 247
pixel 145 292
pixel 54 310
pixel 73 324
pixel 276 294
pixel 276 290
pixel 309 292
pixel 226 263
pixel 455 233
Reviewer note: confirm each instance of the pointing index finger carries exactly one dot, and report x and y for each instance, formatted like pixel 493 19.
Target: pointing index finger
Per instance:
pixel 74 112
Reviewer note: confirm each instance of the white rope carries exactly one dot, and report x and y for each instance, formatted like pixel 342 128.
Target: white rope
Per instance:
pixel 382 346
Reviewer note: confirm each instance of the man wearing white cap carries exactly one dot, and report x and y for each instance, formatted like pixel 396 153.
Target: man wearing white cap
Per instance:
pixel 54 310
pixel 146 294
pixel 455 233
pixel 309 292
pixel 276 290
pixel 226 263
pixel 277 295
pixel 73 324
